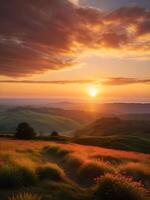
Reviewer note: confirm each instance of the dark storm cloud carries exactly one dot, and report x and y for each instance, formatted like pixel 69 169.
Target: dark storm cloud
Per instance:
pixel 36 36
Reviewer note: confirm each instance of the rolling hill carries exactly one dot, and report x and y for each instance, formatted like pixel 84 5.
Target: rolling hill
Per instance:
pixel 116 133
pixel 41 122
pixel 139 143
pixel 114 125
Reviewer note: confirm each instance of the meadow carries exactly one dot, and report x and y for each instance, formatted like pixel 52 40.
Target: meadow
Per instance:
pixel 43 170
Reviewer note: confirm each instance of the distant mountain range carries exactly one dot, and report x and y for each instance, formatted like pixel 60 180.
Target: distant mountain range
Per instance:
pixel 110 108
pixel 113 108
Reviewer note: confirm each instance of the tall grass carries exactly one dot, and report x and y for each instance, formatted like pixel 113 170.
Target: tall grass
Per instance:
pixel 50 172
pixel 82 164
pixel 25 196
pixel 116 187
pixel 16 176
pixel 55 150
pixel 111 159
pixel 73 161
pixel 90 170
pixel 140 172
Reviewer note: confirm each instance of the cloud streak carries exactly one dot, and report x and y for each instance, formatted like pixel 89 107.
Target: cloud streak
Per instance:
pixel 36 36
pixel 106 81
pixel 125 81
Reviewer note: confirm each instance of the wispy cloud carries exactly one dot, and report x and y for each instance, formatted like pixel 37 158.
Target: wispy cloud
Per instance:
pixel 125 81
pixel 105 81
pixel 50 82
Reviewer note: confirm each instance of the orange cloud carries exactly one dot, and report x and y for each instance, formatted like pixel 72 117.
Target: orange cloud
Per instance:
pixel 36 36
pixel 125 81
pixel 105 81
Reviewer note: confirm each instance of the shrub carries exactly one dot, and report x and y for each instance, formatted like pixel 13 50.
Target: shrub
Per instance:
pixel 73 161
pixel 25 196
pixel 25 131
pixel 57 151
pixel 110 187
pixel 54 134
pixel 138 171
pixel 51 172
pixel 89 171
pixel 52 149
pixel 15 176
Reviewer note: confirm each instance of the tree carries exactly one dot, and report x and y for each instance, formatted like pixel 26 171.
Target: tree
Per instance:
pixel 25 131
pixel 54 134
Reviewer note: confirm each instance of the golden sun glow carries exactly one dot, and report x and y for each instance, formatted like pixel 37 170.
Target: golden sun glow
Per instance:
pixel 92 90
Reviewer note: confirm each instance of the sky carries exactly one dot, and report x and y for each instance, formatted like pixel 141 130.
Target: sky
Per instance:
pixel 63 48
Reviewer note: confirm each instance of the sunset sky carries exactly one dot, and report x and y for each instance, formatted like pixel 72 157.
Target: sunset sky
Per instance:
pixel 62 48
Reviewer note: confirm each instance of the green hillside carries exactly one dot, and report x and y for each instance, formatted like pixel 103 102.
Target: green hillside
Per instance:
pixel 115 126
pixel 41 122
pixel 116 133
pixel 139 143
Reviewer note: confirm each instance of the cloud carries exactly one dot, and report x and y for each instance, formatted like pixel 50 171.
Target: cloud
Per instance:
pixel 129 15
pixel 125 81
pixel 143 27
pixel 114 4
pixel 75 1
pixel 49 82
pixel 36 36
pixel 106 81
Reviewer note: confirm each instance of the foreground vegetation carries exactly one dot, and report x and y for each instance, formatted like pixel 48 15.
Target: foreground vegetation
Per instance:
pixel 36 170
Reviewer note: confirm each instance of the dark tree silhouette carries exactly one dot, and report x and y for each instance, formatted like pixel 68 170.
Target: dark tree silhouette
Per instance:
pixel 54 134
pixel 25 131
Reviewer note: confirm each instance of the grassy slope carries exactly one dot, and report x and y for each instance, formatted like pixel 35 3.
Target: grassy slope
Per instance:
pixel 139 143
pixel 33 154
pixel 40 121
pixel 130 135
pixel 113 125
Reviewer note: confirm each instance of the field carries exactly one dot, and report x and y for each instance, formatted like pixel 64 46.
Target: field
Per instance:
pixel 42 170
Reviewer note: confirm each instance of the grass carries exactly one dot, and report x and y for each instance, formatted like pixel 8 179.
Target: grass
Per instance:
pixel 16 176
pixel 73 161
pixel 90 170
pixel 139 143
pixel 138 171
pixel 25 196
pixel 55 150
pixel 110 187
pixel 50 172
pixel 67 171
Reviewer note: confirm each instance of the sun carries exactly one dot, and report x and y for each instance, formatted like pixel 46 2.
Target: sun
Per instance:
pixel 92 90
